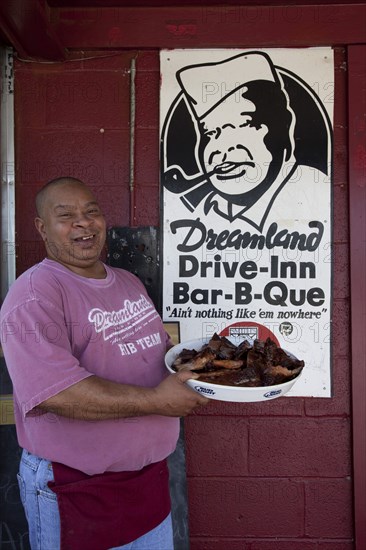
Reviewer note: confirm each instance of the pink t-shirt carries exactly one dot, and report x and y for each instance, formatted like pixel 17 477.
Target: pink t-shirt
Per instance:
pixel 59 328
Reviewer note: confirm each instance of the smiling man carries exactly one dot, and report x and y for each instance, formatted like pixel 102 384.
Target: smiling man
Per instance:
pixel 96 413
pixel 72 226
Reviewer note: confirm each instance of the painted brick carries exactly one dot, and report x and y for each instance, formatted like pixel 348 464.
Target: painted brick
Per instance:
pixel 29 100
pixel 73 99
pixel 328 511
pixel 25 198
pixel 333 545
pixel 340 330
pixel 250 544
pixel 245 507
pixel 295 544
pixel 81 61
pixel 340 166
pixel 147 205
pixel 147 108
pixel 197 543
pixel 28 253
pixel 299 447
pixel 116 212
pixel 100 99
pixel 147 156
pixel 286 406
pixel 99 158
pixel 341 271
pixel 216 446
pixel 340 176
pixel 148 61
pixel 115 153
pixel 340 213
pixel 340 402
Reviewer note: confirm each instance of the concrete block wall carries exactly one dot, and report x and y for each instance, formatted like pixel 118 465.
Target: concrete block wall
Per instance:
pixel 265 476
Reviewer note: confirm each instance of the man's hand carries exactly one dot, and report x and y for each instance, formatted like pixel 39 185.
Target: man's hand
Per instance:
pixel 174 398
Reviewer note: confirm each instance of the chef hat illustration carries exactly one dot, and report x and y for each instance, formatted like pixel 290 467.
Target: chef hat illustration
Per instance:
pixel 206 85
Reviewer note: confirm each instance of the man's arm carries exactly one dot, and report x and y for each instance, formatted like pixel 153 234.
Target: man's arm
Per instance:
pixel 95 398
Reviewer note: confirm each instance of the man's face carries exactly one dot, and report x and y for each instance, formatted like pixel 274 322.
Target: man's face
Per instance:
pixel 72 227
pixel 236 152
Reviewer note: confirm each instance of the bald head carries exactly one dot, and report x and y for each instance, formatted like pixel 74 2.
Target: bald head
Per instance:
pixel 72 226
pixel 41 197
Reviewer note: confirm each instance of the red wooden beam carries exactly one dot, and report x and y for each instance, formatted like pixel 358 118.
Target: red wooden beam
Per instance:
pixel 211 26
pixel 357 207
pixel 145 3
pixel 25 25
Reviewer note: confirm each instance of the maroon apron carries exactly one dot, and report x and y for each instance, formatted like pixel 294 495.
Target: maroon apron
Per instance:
pixel 111 509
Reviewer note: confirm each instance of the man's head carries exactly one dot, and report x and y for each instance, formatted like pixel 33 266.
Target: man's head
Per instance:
pixel 244 120
pixel 71 225
pixel 245 141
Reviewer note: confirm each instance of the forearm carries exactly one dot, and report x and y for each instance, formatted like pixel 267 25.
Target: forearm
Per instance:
pixel 95 398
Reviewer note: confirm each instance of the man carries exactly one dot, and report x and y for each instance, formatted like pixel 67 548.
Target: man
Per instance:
pixel 95 412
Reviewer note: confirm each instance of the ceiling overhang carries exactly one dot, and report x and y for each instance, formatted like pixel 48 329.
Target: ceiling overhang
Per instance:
pixel 52 29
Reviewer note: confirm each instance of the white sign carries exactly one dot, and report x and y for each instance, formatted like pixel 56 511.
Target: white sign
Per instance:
pixel 246 149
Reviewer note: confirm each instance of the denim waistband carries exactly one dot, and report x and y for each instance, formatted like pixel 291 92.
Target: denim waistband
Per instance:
pixel 33 461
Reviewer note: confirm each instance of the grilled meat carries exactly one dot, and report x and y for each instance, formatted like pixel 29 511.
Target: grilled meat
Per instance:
pixel 221 362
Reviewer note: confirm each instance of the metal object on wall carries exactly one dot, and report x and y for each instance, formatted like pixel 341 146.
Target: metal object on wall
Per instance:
pixel 136 249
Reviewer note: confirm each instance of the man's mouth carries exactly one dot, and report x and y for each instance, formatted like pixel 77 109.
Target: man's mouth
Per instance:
pixel 84 238
pixel 232 170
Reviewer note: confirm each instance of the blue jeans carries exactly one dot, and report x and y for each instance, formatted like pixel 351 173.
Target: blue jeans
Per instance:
pixel 41 510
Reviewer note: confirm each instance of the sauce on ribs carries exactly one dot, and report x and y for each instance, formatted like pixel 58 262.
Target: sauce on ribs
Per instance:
pixel 222 362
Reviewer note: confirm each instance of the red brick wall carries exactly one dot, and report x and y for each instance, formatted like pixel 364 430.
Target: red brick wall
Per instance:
pixel 73 118
pixel 266 476
pixel 277 475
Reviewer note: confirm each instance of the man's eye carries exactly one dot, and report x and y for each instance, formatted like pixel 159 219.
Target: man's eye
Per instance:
pixel 93 211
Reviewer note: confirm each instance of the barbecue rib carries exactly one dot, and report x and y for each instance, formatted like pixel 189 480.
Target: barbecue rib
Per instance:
pixel 221 362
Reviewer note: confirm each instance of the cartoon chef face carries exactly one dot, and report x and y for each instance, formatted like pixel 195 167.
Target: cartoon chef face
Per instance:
pixel 233 147
pixel 243 132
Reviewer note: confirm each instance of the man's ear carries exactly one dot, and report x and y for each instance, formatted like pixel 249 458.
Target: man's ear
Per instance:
pixel 40 226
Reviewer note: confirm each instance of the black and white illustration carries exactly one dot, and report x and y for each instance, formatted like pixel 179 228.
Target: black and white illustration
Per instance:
pixel 246 160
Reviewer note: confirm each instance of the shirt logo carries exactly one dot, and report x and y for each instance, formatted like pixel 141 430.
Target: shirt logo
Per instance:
pixel 111 323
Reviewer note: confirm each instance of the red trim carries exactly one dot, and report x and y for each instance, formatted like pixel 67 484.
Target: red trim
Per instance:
pixel 211 26
pixel 42 31
pixel 171 3
pixel 357 207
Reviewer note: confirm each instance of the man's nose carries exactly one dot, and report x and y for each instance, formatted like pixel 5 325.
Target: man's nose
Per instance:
pixel 83 220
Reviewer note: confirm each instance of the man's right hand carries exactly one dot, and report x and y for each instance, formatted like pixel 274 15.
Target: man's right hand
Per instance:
pixel 172 397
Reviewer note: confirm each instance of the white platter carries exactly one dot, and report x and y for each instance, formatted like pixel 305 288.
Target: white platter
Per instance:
pixel 227 393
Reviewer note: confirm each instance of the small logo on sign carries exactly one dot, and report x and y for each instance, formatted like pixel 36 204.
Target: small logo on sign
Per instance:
pixel 207 391
pixel 272 393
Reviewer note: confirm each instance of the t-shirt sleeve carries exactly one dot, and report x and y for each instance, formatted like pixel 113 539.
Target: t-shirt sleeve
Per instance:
pixel 38 353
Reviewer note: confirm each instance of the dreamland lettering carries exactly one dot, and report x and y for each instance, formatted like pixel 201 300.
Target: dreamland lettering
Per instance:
pixel 195 235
